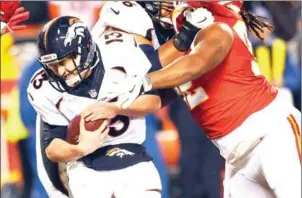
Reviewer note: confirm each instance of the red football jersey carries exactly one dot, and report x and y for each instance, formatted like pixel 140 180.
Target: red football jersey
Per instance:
pixel 223 98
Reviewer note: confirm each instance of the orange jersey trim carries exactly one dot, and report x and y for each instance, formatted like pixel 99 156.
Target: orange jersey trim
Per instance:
pixel 296 132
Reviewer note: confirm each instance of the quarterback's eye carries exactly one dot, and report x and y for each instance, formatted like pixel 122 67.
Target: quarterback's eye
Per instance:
pixel 57 64
pixel 53 66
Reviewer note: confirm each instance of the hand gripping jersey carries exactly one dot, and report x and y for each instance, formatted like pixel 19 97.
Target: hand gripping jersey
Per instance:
pixel 117 50
pixel 223 98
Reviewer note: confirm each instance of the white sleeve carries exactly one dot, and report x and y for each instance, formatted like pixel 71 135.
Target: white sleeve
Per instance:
pixel 121 59
pixel 126 55
pixel 128 16
pixel 44 100
pixel 46 106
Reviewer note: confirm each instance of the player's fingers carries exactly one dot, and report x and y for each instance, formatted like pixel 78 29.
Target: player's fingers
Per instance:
pixel 82 124
pixel 106 131
pixel 15 22
pixel 21 17
pixel 19 10
pixel 92 117
pixel 103 136
pixel 18 27
pixel 88 111
pixel 95 117
pixel 103 126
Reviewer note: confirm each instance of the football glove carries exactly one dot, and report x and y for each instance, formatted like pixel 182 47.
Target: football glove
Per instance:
pixel 187 22
pixel 11 16
pixel 198 17
pixel 131 88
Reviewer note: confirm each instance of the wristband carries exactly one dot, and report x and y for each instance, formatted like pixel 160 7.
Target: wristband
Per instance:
pixel 183 39
pixel 147 84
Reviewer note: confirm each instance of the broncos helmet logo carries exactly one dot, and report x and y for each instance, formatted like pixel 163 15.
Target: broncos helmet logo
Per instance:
pixel 119 152
pixel 76 29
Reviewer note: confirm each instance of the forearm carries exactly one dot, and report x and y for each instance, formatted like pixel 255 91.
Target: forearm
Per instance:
pixel 142 106
pixel 183 70
pixel 168 53
pixel 61 151
pixel 211 46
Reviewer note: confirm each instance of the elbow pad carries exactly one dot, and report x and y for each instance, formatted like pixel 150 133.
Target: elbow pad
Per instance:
pixel 183 39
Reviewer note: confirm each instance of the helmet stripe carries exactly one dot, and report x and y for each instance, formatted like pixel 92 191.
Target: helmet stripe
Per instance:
pixel 47 26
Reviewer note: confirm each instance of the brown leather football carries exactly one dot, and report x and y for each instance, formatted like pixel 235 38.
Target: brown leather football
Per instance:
pixel 73 130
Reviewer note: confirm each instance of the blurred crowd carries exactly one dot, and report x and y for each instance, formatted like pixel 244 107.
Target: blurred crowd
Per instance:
pixel 189 164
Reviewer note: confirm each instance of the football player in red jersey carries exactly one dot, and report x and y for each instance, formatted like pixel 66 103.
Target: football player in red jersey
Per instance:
pixel 256 131
pixel 11 15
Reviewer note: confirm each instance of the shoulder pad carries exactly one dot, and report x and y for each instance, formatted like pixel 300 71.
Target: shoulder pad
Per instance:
pixel 124 54
pixel 128 16
pixel 44 98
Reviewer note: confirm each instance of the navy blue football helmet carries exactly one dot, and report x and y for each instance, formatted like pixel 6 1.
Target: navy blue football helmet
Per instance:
pixel 65 37
pixel 154 8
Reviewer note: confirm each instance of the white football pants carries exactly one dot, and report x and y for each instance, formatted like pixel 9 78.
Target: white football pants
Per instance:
pixel 139 181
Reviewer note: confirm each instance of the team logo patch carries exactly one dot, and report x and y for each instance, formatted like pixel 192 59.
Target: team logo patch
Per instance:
pixel 119 152
pixel 76 29
pixel 92 93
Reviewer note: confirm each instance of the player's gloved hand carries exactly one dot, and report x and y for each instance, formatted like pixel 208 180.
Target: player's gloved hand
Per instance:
pixel 130 89
pixel 187 23
pixel 89 141
pixel 11 16
pixel 200 17
pixel 7 9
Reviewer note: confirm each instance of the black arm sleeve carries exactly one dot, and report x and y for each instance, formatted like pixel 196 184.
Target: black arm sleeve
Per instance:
pixel 153 57
pixel 51 132
pixel 47 134
pixel 166 95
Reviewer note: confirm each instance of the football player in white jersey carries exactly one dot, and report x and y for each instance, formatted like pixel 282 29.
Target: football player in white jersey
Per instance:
pixel 75 72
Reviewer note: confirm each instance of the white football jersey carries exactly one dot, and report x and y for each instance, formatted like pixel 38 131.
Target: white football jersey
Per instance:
pixel 120 54
pixel 128 16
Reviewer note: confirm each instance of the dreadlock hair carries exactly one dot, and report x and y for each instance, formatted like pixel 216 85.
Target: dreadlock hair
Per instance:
pixel 255 23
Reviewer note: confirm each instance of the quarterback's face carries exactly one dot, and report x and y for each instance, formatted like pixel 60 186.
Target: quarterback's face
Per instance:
pixel 66 69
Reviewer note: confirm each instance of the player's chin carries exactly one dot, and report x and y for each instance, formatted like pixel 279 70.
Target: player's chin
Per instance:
pixel 72 81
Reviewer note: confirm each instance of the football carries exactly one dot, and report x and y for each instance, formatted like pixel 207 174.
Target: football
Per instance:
pixel 73 130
